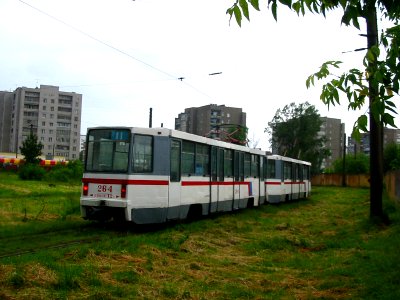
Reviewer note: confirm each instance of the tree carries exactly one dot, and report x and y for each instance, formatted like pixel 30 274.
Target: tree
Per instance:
pixel 377 82
pixel 294 132
pixel 31 149
pixel 354 164
pixel 391 157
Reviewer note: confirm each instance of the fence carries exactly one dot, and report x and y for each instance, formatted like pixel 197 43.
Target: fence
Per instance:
pixel 359 180
pixel 391 182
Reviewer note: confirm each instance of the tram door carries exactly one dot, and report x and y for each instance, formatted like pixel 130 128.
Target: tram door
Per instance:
pixel 238 178
pixel 214 180
pixel 296 181
pixel 174 190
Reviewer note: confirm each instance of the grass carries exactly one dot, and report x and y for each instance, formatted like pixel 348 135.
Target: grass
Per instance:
pixel 324 247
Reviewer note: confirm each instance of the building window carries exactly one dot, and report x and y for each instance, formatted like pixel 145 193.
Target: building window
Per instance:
pixel 52 108
pixel 44 107
pixel 43 123
pixel 51 124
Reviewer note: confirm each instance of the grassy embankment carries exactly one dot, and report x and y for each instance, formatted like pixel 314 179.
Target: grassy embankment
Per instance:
pixel 324 247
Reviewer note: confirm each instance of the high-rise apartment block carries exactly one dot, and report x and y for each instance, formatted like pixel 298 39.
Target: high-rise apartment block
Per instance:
pixel 390 135
pixel 54 116
pixel 333 131
pixel 209 120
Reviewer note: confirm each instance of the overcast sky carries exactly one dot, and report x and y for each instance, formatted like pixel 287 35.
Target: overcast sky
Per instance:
pixel 126 56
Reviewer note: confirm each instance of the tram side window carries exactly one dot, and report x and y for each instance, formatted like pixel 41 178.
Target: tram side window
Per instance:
pixel 188 158
pixel 255 166
pixel 175 168
pixel 221 164
pixel 295 171
pixel 287 170
pixel 300 172
pixel 307 172
pixel 228 163
pixel 143 154
pixel 202 159
pixel 247 164
pixel 271 169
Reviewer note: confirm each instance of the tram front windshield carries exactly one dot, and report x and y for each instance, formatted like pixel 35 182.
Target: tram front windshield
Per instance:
pixel 107 150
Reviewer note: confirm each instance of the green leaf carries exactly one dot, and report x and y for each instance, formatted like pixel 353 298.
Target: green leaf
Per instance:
pixel 336 95
pixel 356 133
pixel 390 103
pixel 245 8
pixel 309 81
pixel 296 6
pixel 343 3
pixel 375 50
pixel 255 4
pixel 286 2
pixel 362 122
pixel 238 15
pixel 388 119
pixel 273 8
pixel 308 3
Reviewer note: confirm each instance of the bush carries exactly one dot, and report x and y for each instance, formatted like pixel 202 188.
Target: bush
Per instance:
pixel 354 164
pixel 66 173
pixel 391 157
pixel 31 172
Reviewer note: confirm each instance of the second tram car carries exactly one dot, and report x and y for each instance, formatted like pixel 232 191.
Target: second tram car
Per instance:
pixel 152 175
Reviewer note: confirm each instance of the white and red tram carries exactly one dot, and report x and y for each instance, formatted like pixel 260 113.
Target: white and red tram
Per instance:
pixel 152 175
pixel 287 179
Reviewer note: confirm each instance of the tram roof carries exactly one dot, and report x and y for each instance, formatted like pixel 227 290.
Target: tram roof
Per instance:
pixel 162 131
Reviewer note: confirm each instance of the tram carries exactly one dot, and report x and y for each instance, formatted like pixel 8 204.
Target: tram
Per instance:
pixel 153 175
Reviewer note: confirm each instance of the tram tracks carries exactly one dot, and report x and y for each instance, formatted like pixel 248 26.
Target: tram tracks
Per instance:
pixel 32 243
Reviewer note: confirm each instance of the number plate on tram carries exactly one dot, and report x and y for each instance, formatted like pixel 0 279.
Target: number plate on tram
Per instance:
pixel 105 190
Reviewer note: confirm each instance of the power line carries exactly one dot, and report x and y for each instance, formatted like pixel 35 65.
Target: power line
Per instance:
pixel 119 50
pixel 98 40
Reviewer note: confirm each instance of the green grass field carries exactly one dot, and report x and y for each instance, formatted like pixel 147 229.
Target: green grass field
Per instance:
pixel 324 247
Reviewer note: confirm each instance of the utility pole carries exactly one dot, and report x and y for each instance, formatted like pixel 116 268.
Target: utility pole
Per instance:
pixel 151 118
pixel 344 161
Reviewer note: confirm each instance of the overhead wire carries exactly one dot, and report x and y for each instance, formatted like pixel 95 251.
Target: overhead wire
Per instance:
pixel 116 49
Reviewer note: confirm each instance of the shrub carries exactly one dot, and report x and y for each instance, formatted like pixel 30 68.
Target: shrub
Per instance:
pixel 353 165
pixel 31 172
pixel 391 157
pixel 66 173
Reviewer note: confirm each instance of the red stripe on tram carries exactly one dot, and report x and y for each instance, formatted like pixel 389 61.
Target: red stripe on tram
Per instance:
pixel 126 181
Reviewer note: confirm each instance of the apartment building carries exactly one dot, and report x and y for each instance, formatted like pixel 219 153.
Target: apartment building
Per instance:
pixel 390 135
pixel 210 120
pixel 333 131
pixel 53 115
